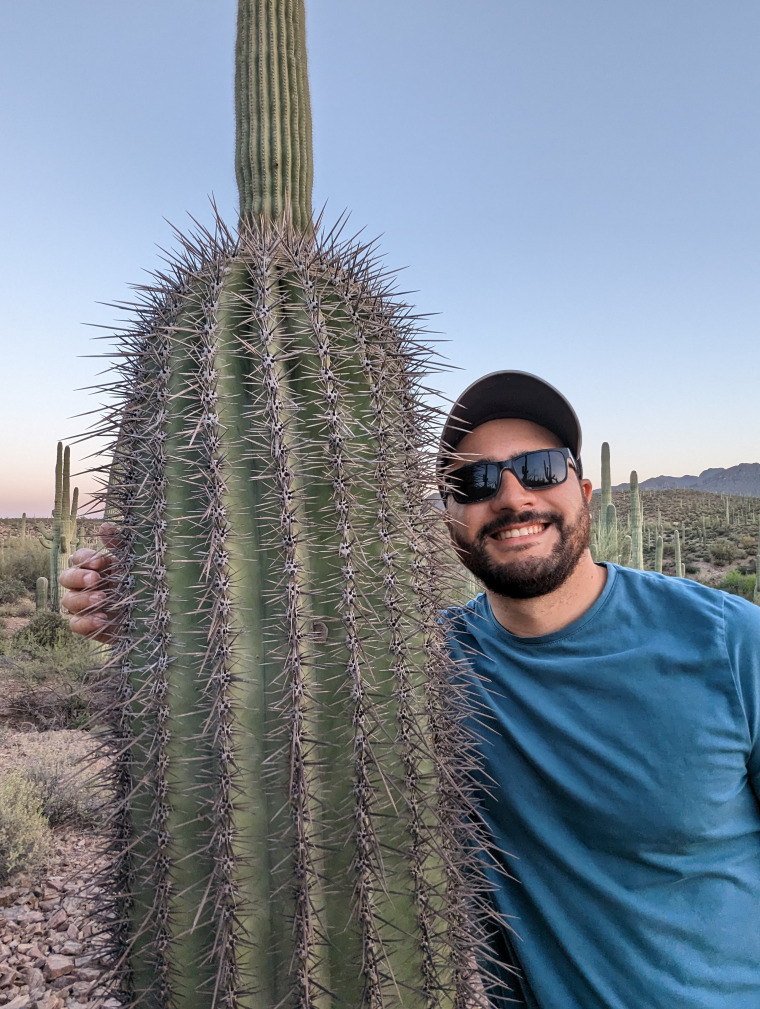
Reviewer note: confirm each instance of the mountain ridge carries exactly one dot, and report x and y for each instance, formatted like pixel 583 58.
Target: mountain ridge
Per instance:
pixel 742 479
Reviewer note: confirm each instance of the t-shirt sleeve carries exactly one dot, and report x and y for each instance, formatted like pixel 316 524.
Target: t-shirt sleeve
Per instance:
pixel 742 629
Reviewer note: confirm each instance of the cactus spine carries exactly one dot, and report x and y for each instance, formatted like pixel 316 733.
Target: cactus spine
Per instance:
pixel 294 827
pixel 636 520
pixel 62 539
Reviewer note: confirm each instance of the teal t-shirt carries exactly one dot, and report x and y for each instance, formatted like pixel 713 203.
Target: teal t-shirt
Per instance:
pixel 620 767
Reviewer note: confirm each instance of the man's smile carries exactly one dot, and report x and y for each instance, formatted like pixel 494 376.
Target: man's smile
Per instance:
pixel 515 532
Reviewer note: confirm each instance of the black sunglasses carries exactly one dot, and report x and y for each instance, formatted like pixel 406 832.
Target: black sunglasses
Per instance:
pixel 479 481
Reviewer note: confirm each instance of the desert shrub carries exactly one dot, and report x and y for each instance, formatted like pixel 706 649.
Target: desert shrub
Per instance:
pixel 25 560
pixel 11 590
pixel 723 551
pixel 25 836
pixel 738 584
pixel 748 543
pixel 47 672
pixel 57 766
pixel 691 568
pixel 46 631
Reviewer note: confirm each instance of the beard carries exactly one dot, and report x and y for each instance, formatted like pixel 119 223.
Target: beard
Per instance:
pixel 526 577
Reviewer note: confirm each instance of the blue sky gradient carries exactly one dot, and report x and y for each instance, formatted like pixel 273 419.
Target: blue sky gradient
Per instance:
pixel 571 186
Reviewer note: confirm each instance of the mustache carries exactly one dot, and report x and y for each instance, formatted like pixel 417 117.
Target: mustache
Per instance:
pixel 508 519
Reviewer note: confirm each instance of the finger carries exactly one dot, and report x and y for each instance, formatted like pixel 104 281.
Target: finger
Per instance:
pixel 95 559
pixel 94 625
pixel 109 535
pixel 80 578
pixel 84 600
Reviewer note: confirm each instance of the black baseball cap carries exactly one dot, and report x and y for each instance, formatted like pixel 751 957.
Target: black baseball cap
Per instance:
pixel 504 394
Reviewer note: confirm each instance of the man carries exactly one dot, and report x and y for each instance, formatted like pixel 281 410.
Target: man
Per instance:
pixel 617 715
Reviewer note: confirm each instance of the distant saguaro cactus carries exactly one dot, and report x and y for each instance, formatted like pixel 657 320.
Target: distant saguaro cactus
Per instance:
pixel 605 539
pixel 23 526
pixel 41 594
pixel 62 539
pixel 606 477
pixel 680 567
pixel 658 552
pixel 637 525
pixel 295 827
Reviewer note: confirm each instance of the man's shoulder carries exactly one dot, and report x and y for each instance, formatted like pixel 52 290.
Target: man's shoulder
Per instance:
pixel 671 592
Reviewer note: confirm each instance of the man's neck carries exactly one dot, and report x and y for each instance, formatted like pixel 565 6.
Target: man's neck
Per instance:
pixel 530 618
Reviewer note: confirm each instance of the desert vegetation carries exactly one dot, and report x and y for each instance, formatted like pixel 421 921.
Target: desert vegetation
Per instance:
pixel 53 780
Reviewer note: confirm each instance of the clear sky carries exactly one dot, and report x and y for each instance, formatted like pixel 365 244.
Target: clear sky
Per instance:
pixel 571 184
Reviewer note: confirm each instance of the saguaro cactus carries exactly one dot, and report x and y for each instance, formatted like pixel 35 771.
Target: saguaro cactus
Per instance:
pixel 294 821
pixel 605 539
pixel 680 566
pixel 637 524
pixel 62 539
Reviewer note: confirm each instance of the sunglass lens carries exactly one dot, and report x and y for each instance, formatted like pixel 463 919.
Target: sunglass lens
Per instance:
pixel 476 482
pixel 541 469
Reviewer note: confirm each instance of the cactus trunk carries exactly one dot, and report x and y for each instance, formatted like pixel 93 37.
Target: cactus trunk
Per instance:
pixel 637 525
pixel 62 539
pixel 294 822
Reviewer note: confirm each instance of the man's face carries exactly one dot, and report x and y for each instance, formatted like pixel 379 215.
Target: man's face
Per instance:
pixel 521 543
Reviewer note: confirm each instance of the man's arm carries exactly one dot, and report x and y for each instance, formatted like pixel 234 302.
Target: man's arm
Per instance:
pixel 87 585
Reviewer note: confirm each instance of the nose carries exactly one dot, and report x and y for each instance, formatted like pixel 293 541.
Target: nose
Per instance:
pixel 512 495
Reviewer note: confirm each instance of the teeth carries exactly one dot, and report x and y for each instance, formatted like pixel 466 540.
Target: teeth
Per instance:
pixel 509 534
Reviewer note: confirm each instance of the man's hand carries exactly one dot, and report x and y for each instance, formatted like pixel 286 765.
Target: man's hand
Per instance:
pixel 87 587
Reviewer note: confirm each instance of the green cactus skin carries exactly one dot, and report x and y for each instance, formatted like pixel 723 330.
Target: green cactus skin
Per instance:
pixel 605 538
pixel 658 552
pixel 626 551
pixel 293 822
pixel 273 150
pixel 680 567
pixel 606 479
pixel 62 540
pixel 41 594
pixel 636 521
pixel 23 526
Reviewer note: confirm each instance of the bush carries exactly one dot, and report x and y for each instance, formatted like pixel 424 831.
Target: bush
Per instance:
pixel 58 769
pixel 25 560
pixel 25 837
pixel 11 590
pixel 47 680
pixel 45 630
pixel 723 551
pixel 738 584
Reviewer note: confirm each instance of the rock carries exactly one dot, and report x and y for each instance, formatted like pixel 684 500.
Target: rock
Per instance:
pixel 19 1002
pixel 8 976
pixel 81 988
pixel 49 1001
pixel 33 978
pixel 57 965
pixel 8 895
pixel 88 974
pixel 58 919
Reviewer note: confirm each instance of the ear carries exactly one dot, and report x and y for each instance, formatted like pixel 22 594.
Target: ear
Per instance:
pixel 586 489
